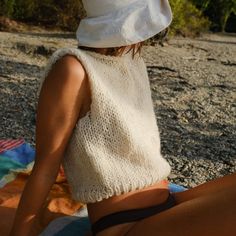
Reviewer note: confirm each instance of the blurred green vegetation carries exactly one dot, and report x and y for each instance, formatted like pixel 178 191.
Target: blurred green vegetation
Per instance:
pixel 56 13
pixel 190 16
pixel 220 12
pixel 187 19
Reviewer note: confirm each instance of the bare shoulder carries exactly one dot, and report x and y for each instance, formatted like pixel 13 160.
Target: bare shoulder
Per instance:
pixel 66 81
pixel 69 64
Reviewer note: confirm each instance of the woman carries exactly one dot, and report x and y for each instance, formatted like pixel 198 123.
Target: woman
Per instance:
pixel 95 116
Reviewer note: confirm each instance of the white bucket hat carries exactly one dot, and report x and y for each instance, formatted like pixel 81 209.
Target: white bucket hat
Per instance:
pixel 115 23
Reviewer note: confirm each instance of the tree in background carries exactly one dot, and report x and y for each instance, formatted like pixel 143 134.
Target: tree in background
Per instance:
pixel 61 13
pixel 218 11
pixel 7 7
pixel 187 20
pixel 24 9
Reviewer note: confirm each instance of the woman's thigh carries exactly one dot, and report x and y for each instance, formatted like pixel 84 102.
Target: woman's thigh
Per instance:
pixel 207 210
pixel 226 183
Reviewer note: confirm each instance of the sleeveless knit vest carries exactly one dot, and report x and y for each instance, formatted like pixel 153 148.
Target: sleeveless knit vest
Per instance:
pixel 115 147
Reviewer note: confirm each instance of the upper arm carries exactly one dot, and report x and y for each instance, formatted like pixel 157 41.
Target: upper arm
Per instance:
pixel 59 104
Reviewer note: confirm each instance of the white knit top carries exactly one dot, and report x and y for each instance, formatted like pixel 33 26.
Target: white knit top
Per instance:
pixel 115 147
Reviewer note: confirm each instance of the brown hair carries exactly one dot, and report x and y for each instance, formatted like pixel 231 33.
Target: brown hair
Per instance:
pixel 118 51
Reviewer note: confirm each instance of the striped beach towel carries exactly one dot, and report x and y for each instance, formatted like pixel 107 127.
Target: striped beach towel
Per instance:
pixel 16 156
pixel 8 144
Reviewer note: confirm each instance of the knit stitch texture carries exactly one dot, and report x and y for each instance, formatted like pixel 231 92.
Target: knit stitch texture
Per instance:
pixel 115 147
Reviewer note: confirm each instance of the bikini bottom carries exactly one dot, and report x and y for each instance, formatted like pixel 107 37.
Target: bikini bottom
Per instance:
pixel 131 215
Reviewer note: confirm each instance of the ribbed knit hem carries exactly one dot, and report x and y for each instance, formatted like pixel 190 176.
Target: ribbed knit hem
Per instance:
pixel 92 195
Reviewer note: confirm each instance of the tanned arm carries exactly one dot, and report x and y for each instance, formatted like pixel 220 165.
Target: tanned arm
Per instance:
pixel 59 104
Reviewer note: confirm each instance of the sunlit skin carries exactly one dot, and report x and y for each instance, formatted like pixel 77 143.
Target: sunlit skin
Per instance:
pixel 206 210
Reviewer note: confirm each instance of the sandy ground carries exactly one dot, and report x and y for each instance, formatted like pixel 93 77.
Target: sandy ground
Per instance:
pixel 193 84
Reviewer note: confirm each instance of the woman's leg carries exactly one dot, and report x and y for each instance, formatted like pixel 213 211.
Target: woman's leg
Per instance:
pixel 207 210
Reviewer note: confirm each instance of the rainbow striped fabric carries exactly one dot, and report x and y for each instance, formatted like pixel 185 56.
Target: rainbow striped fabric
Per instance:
pixel 15 156
pixel 8 144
